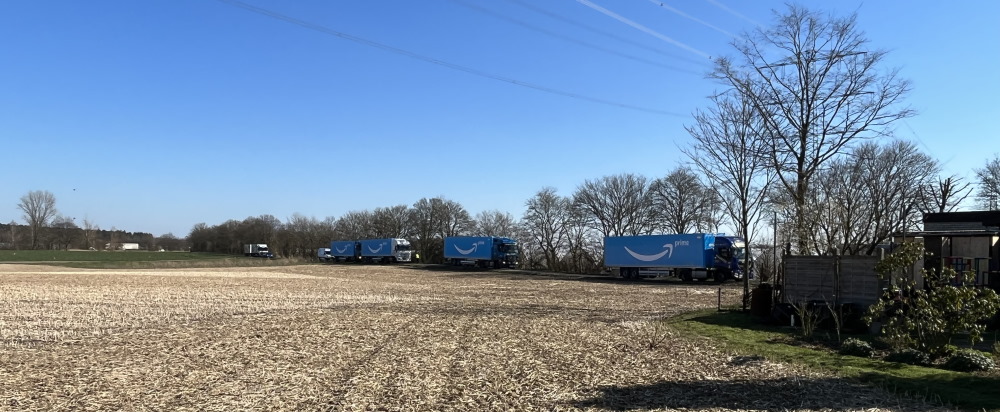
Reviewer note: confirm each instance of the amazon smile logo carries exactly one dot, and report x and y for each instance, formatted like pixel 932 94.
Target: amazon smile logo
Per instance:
pixel 339 250
pixel 668 251
pixel 370 249
pixel 467 251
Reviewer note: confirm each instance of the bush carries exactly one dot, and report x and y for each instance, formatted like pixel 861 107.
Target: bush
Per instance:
pixel 909 356
pixel 969 360
pixel 929 317
pixel 856 347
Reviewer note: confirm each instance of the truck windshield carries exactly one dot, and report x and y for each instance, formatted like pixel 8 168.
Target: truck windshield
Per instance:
pixel 740 253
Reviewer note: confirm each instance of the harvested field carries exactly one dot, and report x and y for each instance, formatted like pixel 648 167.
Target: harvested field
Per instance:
pixel 345 337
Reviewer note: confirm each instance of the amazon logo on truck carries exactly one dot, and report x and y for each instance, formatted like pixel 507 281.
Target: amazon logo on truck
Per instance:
pixel 668 251
pixel 469 251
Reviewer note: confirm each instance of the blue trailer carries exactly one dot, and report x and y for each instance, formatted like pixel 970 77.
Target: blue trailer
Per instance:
pixel 386 250
pixel 345 250
pixel 481 251
pixel 685 256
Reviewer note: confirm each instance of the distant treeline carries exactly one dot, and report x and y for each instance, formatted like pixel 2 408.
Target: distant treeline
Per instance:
pixel 66 236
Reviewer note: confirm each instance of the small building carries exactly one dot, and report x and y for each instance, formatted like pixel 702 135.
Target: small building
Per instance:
pixel 964 241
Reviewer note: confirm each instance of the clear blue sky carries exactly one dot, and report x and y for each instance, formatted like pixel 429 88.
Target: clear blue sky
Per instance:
pixel 156 115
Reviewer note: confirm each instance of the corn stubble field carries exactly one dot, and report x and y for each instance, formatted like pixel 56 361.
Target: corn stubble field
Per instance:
pixel 346 337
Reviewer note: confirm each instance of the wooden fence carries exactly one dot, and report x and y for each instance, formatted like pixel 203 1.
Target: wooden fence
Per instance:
pixel 833 279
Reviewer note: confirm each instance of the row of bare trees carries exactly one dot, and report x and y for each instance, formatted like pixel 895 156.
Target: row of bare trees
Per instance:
pixel 45 228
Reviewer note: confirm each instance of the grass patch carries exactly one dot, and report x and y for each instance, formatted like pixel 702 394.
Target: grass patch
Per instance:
pixel 744 334
pixel 134 259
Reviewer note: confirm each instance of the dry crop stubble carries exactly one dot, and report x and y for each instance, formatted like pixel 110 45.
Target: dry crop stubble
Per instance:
pixel 345 337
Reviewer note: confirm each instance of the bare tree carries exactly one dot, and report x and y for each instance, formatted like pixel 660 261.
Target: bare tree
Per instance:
pixel 731 152
pixel 38 206
pixel 547 220
pixel 818 88
pixel 494 223
pixel 169 242
pixel 435 219
pixel 456 220
pixel 943 195
pixel 681 202
pixel 988 194
pixel 863 199
pixel 64 231
pixel 617 205
pixel 391 222
pixel 586 245
pixel 355 225
pixel 90 233
pixel 301 235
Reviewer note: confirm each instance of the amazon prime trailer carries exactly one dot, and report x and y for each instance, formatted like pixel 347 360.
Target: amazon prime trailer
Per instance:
pixel 686 256
pixel 386 250
pixel 345 251
pixel 481 251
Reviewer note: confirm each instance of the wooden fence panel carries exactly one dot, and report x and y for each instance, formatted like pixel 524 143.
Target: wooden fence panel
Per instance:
pixel 816 278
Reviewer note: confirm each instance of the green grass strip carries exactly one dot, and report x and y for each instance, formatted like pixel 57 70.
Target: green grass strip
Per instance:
pixel 746 335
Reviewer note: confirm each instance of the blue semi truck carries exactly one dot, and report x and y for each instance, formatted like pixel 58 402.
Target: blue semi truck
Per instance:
pixel 686 256
pixel 481 251
pixel 345 250
pixel 390 250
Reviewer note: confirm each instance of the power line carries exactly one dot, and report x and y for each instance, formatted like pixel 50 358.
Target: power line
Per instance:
pixel 396 50
pixel 573 40
pixel 642 28
pixel 718 4
pixel 555 16
pixel 692 18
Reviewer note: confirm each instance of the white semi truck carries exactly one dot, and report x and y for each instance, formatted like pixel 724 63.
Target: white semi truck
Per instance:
pixel 257 250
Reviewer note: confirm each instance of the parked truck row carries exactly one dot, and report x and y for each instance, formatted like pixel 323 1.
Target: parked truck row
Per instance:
pixel 481 251
pixel 693 256
pixel 390 250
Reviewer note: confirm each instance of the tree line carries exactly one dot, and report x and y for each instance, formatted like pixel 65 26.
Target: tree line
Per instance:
pixel 45 228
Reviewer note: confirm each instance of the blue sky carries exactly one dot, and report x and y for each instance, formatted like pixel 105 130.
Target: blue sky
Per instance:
pixel 156 115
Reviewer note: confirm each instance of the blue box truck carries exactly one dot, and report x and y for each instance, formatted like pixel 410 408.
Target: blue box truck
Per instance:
pixel 685 256
pixel 390 250
pixel 345 250
pixel 481 251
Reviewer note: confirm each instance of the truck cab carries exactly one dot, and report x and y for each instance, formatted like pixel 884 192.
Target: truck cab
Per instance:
pixel 730 257
pixel 507 253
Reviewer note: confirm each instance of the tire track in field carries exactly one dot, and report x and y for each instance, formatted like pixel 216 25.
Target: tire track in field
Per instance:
pixel 353 370
pixel 456 375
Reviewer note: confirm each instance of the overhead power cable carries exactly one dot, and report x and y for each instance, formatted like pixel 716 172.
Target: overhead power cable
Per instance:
pixel 719 4
pixel 573 40
pixel 555 16
pixel 690 17
pixel 375 44
pixel 642 28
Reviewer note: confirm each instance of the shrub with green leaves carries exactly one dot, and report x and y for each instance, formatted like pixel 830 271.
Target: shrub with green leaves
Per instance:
pixel 856 347
pixel 909 356
pixel 969 360
pixel 928 318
